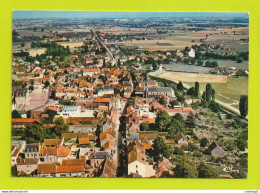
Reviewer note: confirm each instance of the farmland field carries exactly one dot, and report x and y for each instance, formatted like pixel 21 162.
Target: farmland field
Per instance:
pixel 192 77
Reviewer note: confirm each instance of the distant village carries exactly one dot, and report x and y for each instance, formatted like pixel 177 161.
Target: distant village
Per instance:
pixel 97 112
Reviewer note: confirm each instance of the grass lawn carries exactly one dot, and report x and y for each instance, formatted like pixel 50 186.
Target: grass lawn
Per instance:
pixel 232 89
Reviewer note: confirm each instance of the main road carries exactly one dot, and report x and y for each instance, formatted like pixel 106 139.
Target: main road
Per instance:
pixel 102 44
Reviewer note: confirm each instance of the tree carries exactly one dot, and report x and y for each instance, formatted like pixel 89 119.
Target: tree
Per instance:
pixel 178 117
pixel 31 87
pixel 118 62
pixel 243 105
pixel 28 113
pixel 193 61
pixel 16 114
pixel 160 147
pixel 46 83
pixel 97 133
pixel 144 126
pixel 174 102
pixel 200 62
pixel 162 101
pixel 192 147
pixel 240 60
pixel 61 126
pixel 162 120
pixel 214 64
pixel 178 151
pixel 14 171
pixel 208 93
pixel 214 106
pixel 34 133
pixel 203 142
pixel 206 171
pixel 104 62
pixel 185 169
pixel 22 44
pixel 191 91
pixel 208 64
pixel 191 120
pixel 155 67
pixel 176 126
pixel 180 86
pixel 197 89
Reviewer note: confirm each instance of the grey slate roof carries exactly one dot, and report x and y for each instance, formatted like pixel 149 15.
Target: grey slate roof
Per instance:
pixel 100 155
pixel 32 148
pixel 159 89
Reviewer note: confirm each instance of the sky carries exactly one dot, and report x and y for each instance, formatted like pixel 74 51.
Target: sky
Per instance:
pixel 116 14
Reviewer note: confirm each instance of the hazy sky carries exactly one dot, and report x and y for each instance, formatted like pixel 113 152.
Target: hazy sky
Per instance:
pixel 115 14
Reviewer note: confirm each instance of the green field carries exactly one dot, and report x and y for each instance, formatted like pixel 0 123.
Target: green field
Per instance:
pixel 231 63
pixel 232 89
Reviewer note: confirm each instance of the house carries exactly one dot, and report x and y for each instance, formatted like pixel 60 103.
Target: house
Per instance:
pixel 98 157
pixel 109 146
pixel 84 141
pixel 22 122
pixel 53 142
pixel 181 140
pixel 70 171
pixel 105 90
pixel 27 165
pixel 54 154
pixel 191 53
pixel 46 170
pixel 69 111
pixel 157 91
pixel 86 152
pixel 32 150
pixel 16 148
pixel 136 163
pixel 184 111
pixel 164 168
pixel 107 168
pixel 90 72
pixel 104 137
pixel 215 150
pixel 150 137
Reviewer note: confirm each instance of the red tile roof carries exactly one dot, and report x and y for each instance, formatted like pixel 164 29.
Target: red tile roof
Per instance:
pixel 52 142
pixel 104 136
pixel 48 151
pixel 91 70
pixel 83 141
pixel 25 120
pixel 73 162
pixel 69 169
pixel 63 151
pixel 46 168
pixel 27 161
pixel 101 100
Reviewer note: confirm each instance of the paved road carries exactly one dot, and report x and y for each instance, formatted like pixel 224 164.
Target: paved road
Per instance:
pixel 102 43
